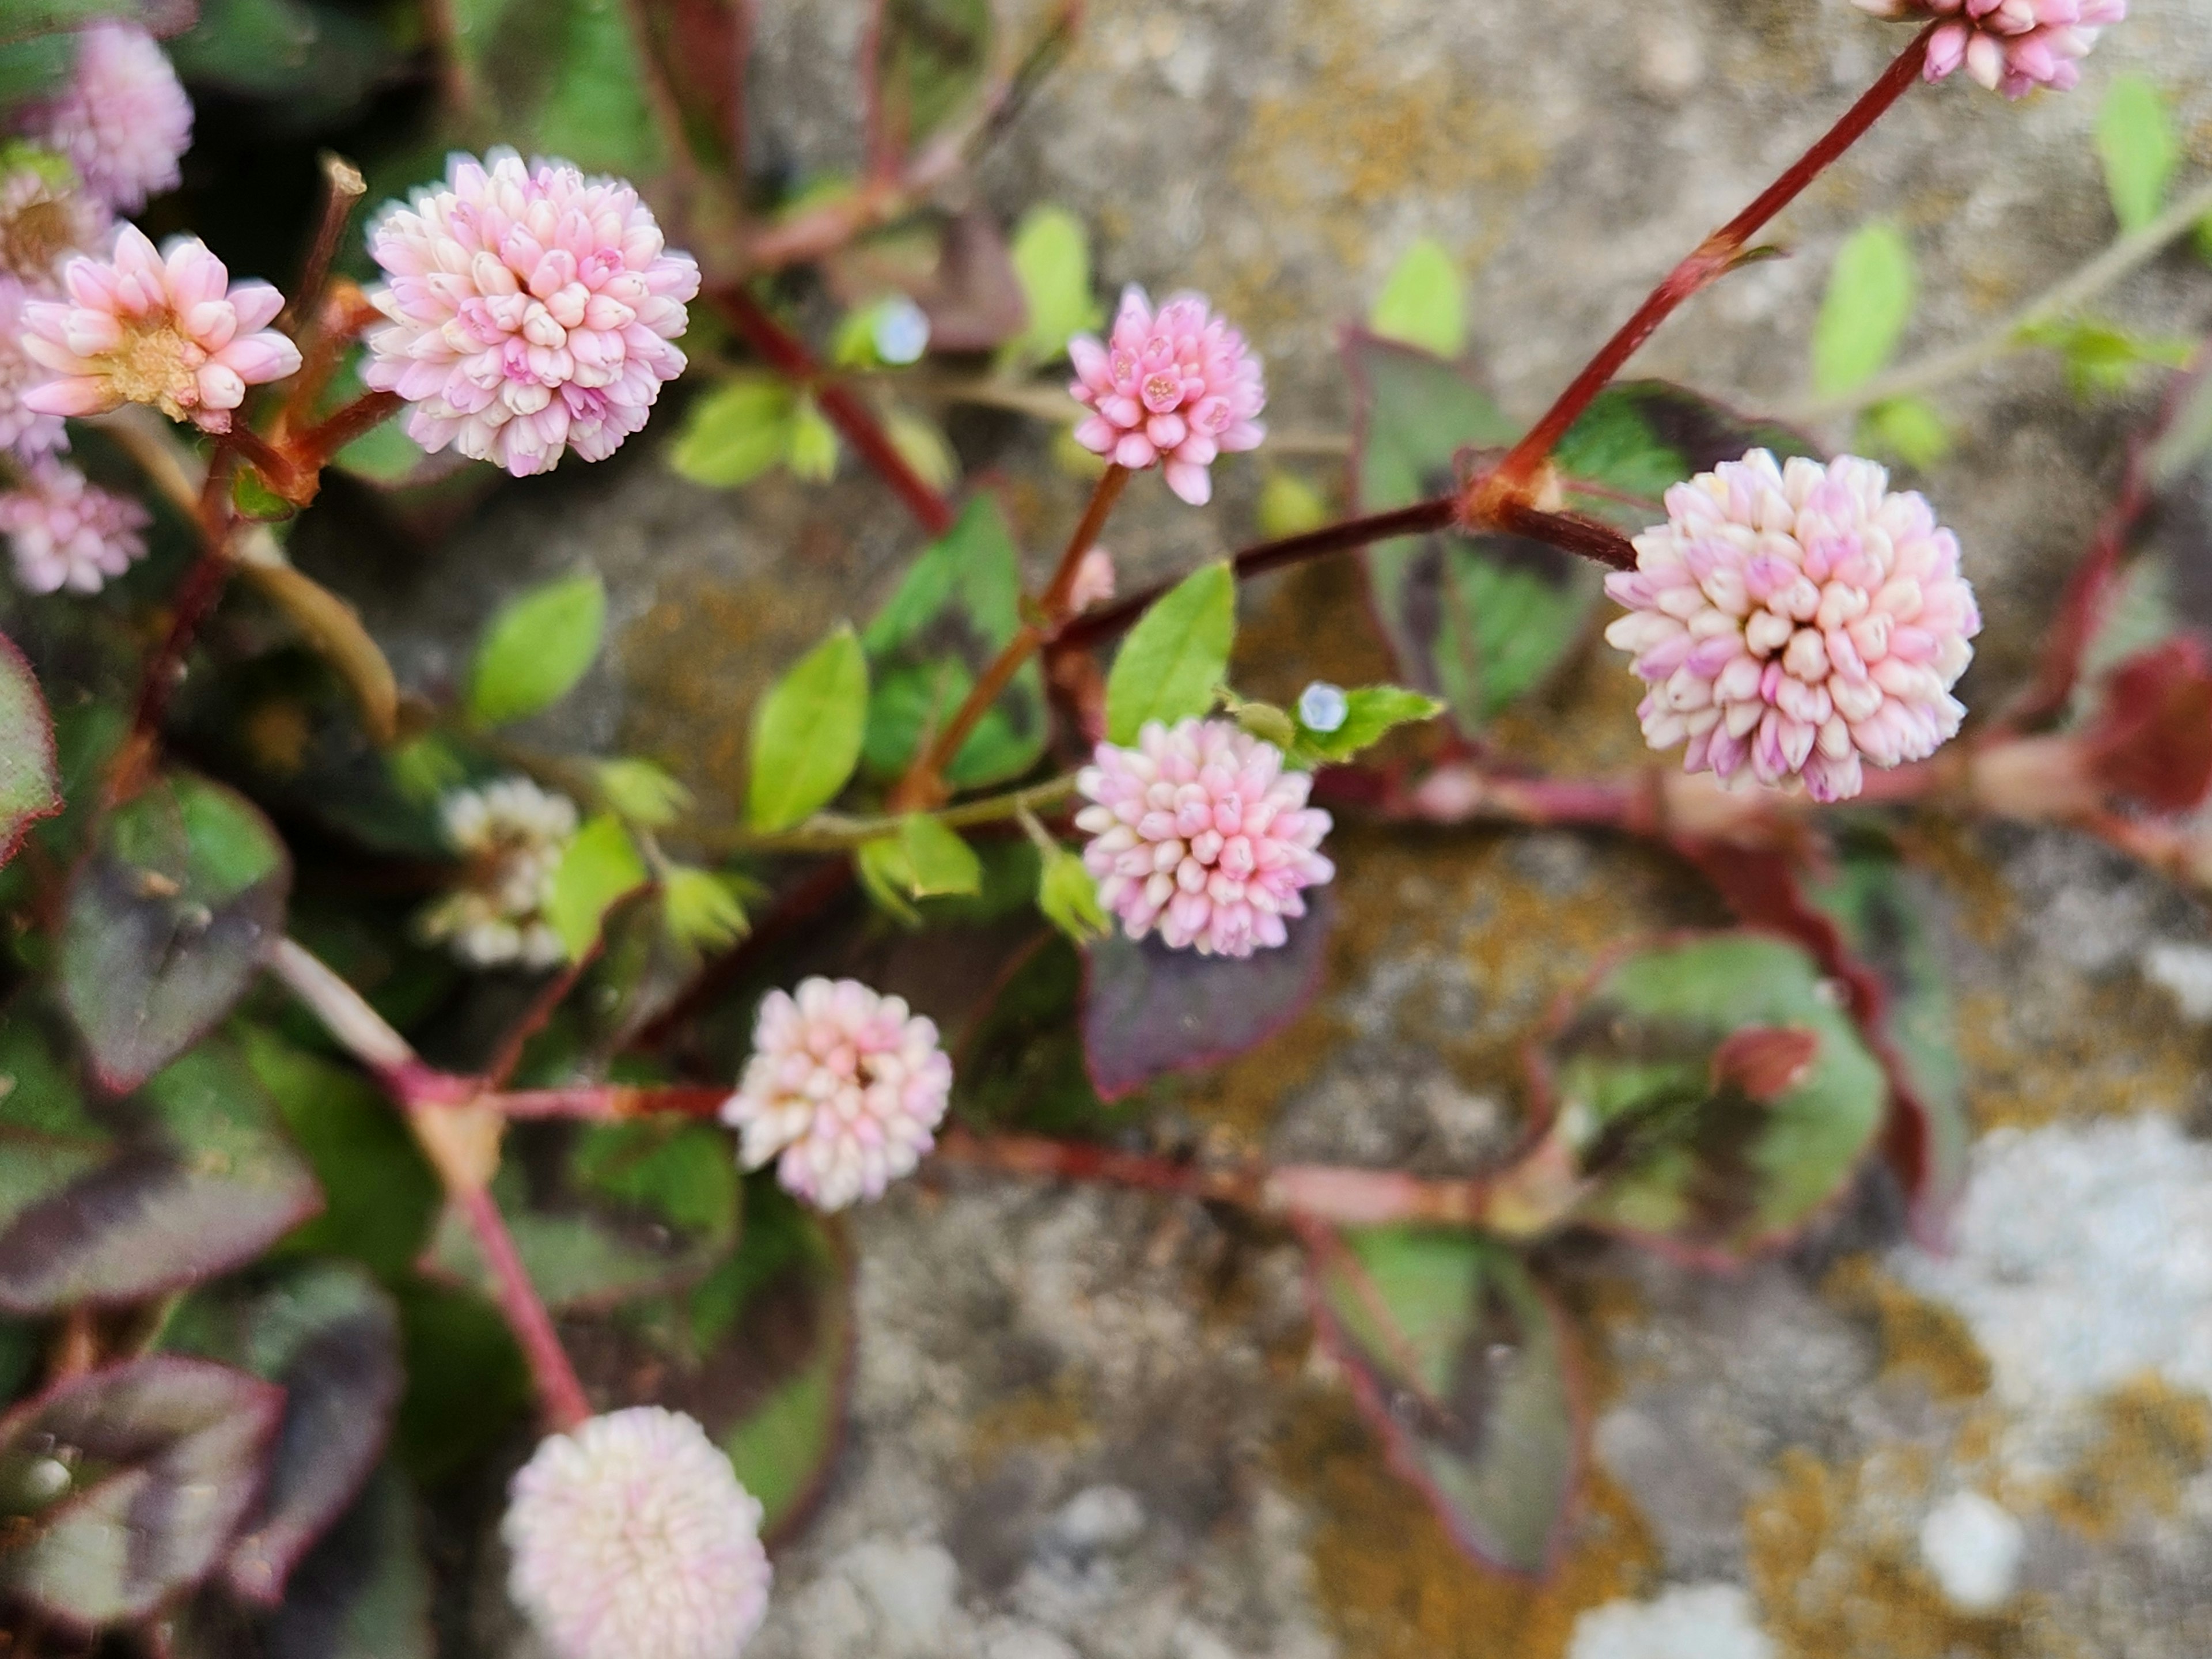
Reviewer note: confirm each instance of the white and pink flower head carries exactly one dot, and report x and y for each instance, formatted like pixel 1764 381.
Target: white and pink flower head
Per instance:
pixel 1796 624
pixel 2011 46
pixel 531 311
pixel 44 219
pixel 1174 388
pixel 124 120
pixel 846 1087
pixel 67 533
pixel 24 432
pixel 1201 832
pixel 167 328
pixel 632 1538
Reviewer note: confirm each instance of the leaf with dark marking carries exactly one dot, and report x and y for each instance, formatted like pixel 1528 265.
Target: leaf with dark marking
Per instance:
pixel 1459 1359
pixel 128 1484
pixel 30 782
pixel 168 918
pixel 1148 1010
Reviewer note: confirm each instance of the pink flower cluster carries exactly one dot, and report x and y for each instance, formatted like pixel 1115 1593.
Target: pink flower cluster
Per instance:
pixel 24 432
pixel 531 310
pixel 1179 387
pixel 846 1084
pixel 169 329
pixel 2011 46
pixel 1799 620
pixel 1200 831
pixel 67 533
pixel 123 120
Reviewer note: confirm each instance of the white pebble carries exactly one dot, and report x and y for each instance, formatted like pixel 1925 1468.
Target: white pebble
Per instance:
pixel 1974 1547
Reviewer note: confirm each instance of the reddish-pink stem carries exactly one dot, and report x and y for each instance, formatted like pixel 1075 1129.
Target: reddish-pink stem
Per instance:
pixel 786 354
pixel 1712 259
pixel 559 1391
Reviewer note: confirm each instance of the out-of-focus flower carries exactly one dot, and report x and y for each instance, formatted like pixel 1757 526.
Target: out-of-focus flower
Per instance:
pixel 2011 46
pixel 1799 620
pixel 1323 708
pixel 67 533
pixel 531 311
pixel 23 431
pixel 44 219
pixel 514 835
pixel 1177 388
pixel 167 328
pixel 123 120
pixel 632 1538
pixel 1200 832
pixel 1094 581
pixel 846 1084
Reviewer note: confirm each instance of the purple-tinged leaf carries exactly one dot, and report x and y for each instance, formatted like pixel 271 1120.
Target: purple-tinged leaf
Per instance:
pixel 1640 438
pixel 1149 1010
pixel 130 1483
pixel 330 1338
pixel 188 1178
pixel 1461 1362
pixel 169 918
pixel 30 782
pixel 1647 1076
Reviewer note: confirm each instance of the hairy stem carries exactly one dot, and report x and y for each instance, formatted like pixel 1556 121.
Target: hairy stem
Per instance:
pixel 2127 253
pixel 1711 259
pixel 786 353
pixel 342 187
pixel 924 784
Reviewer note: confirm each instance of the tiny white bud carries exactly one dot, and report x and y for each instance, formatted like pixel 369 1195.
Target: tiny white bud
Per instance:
pixel 1323 707
pixel 902 332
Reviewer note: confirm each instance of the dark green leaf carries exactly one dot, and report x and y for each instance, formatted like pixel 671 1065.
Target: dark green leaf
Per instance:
pixel 315 62
pixel 1868 302
pixel 955 608
pixel 2136 143
pixel 467 1384
pixel 158 1462
pixel 1675 1146
pixel 600 867
pixel 1175 658
pixel 537 648
pixel 195 1180
pixel 30 782
pixel 1421 304
pixel 807 733
pixel 30 19
pixel 562 77
pixel 167 920
pixel 1459 1360
pixel 363 1592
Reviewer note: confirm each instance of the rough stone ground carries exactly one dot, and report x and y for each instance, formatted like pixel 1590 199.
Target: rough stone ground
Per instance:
pixel 1092 1423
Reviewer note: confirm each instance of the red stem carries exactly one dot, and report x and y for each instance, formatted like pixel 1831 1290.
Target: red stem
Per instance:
pixel 364 414
pixel 786 354
pixel 196 596
pixel 1712 259
pixel 558 1390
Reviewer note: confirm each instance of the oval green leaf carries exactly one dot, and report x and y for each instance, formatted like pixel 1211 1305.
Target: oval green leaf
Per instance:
pixel 807 733
pixel 1174 657
pixel 537 648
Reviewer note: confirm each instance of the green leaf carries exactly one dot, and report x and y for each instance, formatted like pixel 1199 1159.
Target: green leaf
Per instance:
pixel 1673 1146
pixel 680 1173
pixel 1370 711
pixel 30 19
pixel 887 874
pixel 1051 256
pixel 813 454
pixel 256 501
pixel 642 793
pixel 922 445
pixel 2136 143
pixel 735 432
pixel 1907 428
pixel 600 866
pixel 467 1384
pixel 594 109
pixel 1461 1362
pixel 807 733
pixel 317 63
pixel 30 782
pixel 952 614
pixel 1421 303
pixel 363 1592
pixel 2101 356
pixel 379 1193
pixel 939 862
pixel 165 1457
pixel 1067 895
pixel 1868 302
pixel 700 909
pixel 537 648
pixel 166 922
pixel 1176 655
pixel 1289 506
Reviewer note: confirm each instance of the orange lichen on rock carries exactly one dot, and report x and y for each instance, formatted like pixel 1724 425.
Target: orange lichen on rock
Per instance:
pixel 1919 1338
pixel 2153 1440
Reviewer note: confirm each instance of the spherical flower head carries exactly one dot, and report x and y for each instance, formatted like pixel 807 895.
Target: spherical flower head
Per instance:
pixel 67 533
pixel 531 310
pixel 847 1085
pixel 2011 46
pixel 1178 387
pixel 124 120
pixel 514 835
pixel 1796 622
pixel 167 328
pixel 24 432
pixel 1200 832
pixel 44 219
pixel 631 1538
